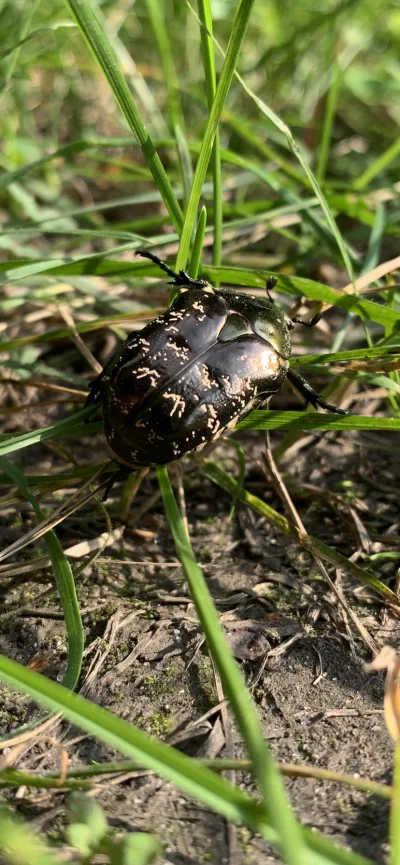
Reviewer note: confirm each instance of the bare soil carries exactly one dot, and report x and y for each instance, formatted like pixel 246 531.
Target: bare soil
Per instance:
pixel 147 662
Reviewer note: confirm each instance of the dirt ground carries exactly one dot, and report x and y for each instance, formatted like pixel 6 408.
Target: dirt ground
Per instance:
pixel 146 660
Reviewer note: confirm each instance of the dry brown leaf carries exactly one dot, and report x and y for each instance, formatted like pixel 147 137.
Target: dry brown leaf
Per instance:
pixel 389 660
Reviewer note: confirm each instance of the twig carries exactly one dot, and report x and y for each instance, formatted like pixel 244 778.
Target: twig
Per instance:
pixel 272 470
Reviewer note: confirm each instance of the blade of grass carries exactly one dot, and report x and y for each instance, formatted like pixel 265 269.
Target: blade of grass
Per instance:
pixel 394 829
pixel 235 42
pixel 302 420
pixel 207 46
pixel 216 474
pixel 379 352
pixel 195 258
pixel 26 16
pixel 330 108
pixel 100 265
pixel 135 79
pixel 20 845
pixel 170 78
pixel 378 165
pixel 64 582
pixel 82 327
pixel 303 287
pixel 105 57
pixel 270 784
pixel 279 124
pixel 188 774
pixel 22 440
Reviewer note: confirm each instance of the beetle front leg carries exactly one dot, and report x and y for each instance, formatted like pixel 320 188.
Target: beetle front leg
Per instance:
pixel 181 279
pixel 310 395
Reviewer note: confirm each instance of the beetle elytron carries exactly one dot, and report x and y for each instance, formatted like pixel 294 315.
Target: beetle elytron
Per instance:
pixel 195 371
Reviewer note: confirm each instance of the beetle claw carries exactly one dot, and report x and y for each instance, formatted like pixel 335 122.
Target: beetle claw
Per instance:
pixel 311 323
pixel 311 396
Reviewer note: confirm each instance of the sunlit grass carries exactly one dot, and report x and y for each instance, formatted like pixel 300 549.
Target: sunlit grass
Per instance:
pixel 265 161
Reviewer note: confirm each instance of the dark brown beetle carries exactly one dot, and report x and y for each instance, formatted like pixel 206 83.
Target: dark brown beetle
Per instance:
pixel 194 372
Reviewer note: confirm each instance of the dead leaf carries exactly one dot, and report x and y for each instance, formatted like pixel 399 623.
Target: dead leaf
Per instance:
pixel 389 660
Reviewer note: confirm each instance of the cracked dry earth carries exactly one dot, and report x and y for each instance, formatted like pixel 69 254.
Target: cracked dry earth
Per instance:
pixel 147 662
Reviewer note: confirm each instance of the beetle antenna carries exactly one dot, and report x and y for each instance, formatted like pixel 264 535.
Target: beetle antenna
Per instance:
pixel 269 286
pixel 311 323
pixel 181 279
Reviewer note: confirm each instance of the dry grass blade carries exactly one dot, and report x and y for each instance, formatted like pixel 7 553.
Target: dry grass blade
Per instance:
pixel 274 474
pixel 74 504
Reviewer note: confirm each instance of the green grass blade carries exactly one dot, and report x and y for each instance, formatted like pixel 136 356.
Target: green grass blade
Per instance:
pixel 303 287
pixel 235 42
pixel 195 257
pixel 62 427
pixel 100 265
pixel 279 124
pixel 301 420
pixel 394 829
pixel 379 352
pixel 189 776
pixel 160 30
pixel 235 689
pixel 27 13
pixel 383 161
pixel 375 240
pixel 207 46
pixel 64 582
pixel 331 105
pixel 20 845
pixel 105 57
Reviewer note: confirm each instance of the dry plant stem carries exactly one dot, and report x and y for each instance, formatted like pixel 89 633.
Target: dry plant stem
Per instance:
pixel 30 734
pixel 181 499
pixel 45 385
pixel 231 829
pixel 272 471
pixel 59 515
pixel 77 339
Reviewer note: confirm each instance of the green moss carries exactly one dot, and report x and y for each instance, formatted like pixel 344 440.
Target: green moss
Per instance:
pixel 160 724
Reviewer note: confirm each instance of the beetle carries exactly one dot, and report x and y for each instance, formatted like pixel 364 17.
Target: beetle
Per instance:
pixel 196 370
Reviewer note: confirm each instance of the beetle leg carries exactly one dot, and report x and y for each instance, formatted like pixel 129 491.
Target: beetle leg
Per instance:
pixel 181 279
pixel 120 474
pixel 311 323
pixel 310 395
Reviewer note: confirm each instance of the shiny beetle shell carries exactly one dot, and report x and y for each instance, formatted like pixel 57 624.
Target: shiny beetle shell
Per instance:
pixel 194 372
pixel 190 374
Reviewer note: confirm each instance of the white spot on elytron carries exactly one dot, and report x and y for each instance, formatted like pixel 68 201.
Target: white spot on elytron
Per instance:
pixel 213 425
pixel 179 403
pixel 173 328
pixel 181 350
pixel 146 371
pixel 144 342
pixel 198 306
pixel 205 378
